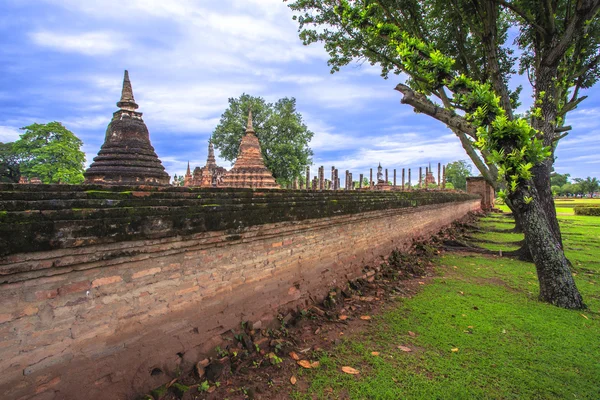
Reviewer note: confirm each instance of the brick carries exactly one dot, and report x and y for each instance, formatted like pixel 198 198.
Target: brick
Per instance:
pixel 188 290
pixel 74 288
pixel 48 385
pixel 46 294
pixel 106 281
pixel 277 244
pixel 145 272
pixel 5 318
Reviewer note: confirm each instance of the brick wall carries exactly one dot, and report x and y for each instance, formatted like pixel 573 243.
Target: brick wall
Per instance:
pixel 479 186
pixel 90 313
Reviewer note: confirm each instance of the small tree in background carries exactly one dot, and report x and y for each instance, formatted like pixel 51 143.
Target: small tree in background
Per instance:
pixel 588 185
pixel 50 152
pixel 282 133
pixel 457 173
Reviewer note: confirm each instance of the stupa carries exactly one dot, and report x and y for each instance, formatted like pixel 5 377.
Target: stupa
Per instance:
pixel 249 170
pixel 211 175
pixel 127 157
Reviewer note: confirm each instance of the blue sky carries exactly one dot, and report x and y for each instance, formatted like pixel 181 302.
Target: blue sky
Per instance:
pixel 63 60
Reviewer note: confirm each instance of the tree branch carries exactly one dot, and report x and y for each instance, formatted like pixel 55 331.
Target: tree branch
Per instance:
pixel 522 14
pixel 585 10
pixel 570 106
pixel 422 104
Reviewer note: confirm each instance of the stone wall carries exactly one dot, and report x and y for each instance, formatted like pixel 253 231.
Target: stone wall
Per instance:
pixel 111 291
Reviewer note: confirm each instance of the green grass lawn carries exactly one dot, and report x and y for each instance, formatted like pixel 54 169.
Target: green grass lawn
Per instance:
pixel 507 344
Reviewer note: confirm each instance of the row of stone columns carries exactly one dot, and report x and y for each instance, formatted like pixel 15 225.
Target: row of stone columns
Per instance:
pixel 319 182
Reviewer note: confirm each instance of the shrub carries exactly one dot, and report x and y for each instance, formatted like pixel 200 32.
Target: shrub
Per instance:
pixel 591 211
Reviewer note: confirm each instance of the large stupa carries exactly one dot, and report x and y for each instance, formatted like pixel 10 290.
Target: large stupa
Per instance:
pixel 127 157
pixel 249 170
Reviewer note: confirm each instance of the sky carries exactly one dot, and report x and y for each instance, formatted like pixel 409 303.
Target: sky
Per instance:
pixel 63 60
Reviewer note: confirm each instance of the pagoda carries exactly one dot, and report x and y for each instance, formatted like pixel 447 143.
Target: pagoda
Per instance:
pixel 127 157
pixel 249 170
pixel 211 175
pixel 429 178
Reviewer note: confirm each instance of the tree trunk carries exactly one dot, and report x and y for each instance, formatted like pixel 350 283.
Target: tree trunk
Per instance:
pixel 541 179
pixel 557 285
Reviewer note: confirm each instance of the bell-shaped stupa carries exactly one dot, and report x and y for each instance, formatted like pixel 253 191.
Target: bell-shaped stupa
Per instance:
pixel 127 157
pixel 249 170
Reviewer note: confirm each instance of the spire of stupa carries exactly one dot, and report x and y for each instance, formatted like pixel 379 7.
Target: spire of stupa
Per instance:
pixel 210 160
pixel 249 128
pixel 188 172
pixel 127 101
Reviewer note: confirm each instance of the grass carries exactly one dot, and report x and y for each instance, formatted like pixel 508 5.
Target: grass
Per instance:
pixel 509 345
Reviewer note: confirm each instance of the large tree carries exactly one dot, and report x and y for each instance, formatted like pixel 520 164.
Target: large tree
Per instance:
pixel 282 133
pixel 9 163
pixel 52 153
pixel 458 62
pixel 457 173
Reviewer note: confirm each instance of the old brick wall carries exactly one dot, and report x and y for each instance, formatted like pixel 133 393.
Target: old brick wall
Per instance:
pixel 479 186
pixel 87 313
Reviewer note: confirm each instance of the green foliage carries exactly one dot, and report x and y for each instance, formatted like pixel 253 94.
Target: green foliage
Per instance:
pixel 457 173
pixel 557 179
pixel 52 153
pixel 590 211
pixel 282 133
pixel 9 163
pixel 588 185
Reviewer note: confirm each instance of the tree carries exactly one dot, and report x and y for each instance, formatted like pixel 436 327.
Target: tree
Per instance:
pixel 588 185
pixel 457 173
pixel 52 153
pixel 558 45
pixel 557 179
pixel 283 135
pixel 9 163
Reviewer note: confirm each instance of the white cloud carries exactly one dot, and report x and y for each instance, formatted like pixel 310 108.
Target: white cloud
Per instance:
pixel 9 133
pixel 88 43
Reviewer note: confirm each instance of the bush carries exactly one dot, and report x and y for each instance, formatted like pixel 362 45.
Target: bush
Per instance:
pixel 591 211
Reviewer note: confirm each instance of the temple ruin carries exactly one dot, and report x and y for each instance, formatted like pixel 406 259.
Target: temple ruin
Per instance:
pixel 249 170
pixel 211 175
pixel 127 157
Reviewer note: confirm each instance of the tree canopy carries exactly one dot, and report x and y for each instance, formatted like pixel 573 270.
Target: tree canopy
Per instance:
pixel 50 152
pixel 283 135
pixel 457 173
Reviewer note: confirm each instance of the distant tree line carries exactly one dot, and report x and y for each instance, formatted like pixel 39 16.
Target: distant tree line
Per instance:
pixel 49 152
pixel 579 187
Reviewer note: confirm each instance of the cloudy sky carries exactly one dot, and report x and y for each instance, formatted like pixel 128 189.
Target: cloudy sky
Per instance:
pixel 63 60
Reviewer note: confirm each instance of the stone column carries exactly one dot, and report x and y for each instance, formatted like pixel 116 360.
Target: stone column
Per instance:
pixel 394 178
pixel 360 182
pixel 351 182
pixel 420 178
pixel 307 178
pixel 321 177
pixel 409 182
pixel 371 178
pixel 444 177
pixel 295 184
pixel 315 182
pixel 439 175
pixel 402 178
pixel 386 177
pixel 332 177
pixel 336 181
